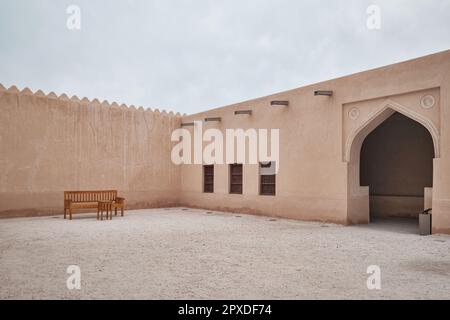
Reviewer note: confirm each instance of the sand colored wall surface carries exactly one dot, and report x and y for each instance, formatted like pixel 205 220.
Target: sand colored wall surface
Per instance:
pixel 320 141
pixel 50 144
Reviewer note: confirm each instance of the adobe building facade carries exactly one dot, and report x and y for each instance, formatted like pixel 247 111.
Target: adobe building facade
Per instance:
pixel 379 146
pixel 52 144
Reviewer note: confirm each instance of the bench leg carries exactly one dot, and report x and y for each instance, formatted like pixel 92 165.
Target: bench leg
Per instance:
pixel 65 213
pixel 98 212
pixel 70 213
pixel 115 209
pixel 122 210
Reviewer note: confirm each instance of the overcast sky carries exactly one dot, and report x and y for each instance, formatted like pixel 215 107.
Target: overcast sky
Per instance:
pixel 193 55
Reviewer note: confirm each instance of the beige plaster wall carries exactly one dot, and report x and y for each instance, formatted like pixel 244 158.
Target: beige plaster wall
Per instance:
pixel 317 176
pixel 50 144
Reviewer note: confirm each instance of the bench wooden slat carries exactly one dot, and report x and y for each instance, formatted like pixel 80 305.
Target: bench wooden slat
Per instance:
pixel 90 196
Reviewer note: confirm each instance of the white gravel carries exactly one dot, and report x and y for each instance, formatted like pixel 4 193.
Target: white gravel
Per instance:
pixel 178 254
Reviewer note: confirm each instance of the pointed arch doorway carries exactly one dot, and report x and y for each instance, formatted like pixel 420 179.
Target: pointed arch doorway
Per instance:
pixel 396 163
pixel 390 163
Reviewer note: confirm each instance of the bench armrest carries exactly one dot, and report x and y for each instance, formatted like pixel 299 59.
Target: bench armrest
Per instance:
pixel 120 200
pixel 67 203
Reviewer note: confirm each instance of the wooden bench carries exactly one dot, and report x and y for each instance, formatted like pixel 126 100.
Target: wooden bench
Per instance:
pixel 89 200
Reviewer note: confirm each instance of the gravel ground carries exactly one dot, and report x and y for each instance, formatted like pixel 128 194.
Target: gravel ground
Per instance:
pixel 195 254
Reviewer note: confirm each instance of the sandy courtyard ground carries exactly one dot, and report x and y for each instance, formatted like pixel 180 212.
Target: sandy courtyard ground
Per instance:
pixel 195 254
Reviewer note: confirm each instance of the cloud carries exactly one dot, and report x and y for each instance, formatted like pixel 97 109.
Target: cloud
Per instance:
pixel 193 55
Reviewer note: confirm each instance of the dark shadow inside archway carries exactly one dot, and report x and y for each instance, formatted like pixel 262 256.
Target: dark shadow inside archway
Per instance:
pixel 397 165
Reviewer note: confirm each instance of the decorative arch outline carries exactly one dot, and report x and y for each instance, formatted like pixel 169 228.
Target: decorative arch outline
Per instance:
pixel 376 118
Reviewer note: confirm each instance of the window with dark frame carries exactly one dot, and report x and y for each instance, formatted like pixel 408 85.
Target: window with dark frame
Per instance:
pixel 267 179
pixel 208 179
pixel 236 178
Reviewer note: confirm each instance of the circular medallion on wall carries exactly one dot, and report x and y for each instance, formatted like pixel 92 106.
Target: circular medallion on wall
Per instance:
pixel 427 101
pixel 354 113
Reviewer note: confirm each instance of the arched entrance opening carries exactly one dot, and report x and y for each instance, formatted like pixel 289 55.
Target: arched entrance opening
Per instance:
pixel 359 193
pixel 396 163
